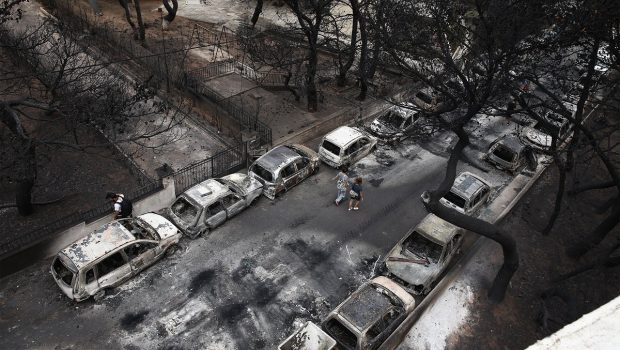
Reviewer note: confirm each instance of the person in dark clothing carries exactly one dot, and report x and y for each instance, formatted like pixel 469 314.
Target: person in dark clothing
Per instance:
pixel 356 194
pixel 123 207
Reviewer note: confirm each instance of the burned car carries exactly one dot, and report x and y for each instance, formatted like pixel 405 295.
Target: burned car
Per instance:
pixel 468 193
pixel 538 134
pixel 368 316
pixel 211 202
pixel 394 124
pixel 345 146
pixel 421 256
pixel 112 254
pixel 509 153
pixel 284 167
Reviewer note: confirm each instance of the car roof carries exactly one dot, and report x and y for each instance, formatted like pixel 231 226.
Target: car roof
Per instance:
pixel 97 244
pixel 511 142
pixel 343 135
pixel 467 184
pixel 207 192
pixel 437 229
pixel 277 158
pixel 365 306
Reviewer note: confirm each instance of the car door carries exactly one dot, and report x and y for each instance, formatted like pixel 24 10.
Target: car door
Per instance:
pixel 289 175
pixel 303 168
pixel 113 269
pixel 90 283
pixel 142 254
pixel 363 148
pixel 233 204
pixel 215 214
pixel 349 152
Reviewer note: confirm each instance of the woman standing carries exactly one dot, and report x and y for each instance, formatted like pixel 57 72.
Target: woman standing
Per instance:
pixel 342 184
pixel 356 194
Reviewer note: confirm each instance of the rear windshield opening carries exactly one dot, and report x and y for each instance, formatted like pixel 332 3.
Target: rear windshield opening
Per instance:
pixel 64 274
pixel 341 334
pixel 420 247
pixel 328 146
pixel 185 210
pixel 262 172
pixel 504 153
pixel 392 119
pixel 455 199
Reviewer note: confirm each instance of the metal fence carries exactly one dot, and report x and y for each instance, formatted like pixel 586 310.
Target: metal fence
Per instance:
pixel 48 230
pixel 220 164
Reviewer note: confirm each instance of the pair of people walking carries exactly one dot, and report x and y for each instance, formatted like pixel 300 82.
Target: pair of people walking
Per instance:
pixel 356 194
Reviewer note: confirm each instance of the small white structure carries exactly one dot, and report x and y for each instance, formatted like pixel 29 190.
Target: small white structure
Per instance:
pixel 308 337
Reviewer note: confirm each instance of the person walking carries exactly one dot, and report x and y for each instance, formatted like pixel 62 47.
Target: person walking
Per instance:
pixel 356 194
pixel 342 184
pixel 123 207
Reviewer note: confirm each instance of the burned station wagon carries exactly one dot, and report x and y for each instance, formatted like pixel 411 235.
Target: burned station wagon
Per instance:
pixel 508 153
pixel 369 315
pixel 112 254
pixel 208 204
pixel 345 146
pixel 538 134
pixel 284 167
pixel 468 193
pixel 420 257
pixel 394 124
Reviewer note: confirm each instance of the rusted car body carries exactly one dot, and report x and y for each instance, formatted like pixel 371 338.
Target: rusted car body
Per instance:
pixel 509 153
pixel 345 146
pixel 539 136
pixel 468 193
pixel 422 255
pixel 394 124
pixel 283 167
pixel 112 254
pixel 368 316
pixel 211 202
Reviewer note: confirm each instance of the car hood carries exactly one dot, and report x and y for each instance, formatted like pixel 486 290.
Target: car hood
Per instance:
pixel 245 183
pixel 165 229
pixel 380 128
pixel 411 272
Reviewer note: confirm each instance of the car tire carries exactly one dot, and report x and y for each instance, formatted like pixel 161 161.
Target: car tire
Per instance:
pixel 97 297
pixel 172 250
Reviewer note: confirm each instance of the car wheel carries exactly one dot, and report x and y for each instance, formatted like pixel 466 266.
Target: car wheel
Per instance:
pixel 172 250
pixel 97 297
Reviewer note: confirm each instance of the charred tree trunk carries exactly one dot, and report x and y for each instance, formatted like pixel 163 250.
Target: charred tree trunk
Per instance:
pixel 141 33
pixel 125 6
pixel 311 77
pixel 363 60
pixel 599 233
pixel 287 81
pixel 172 12
pixel 559 195
pixel 257 11
pixel 341 79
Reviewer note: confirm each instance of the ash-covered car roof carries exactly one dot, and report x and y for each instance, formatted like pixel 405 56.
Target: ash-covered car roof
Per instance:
pixel 97 243
pixel 277 158
pixel 363 308
pixel 343 135
pixel 437 229
pixel 467 184
pixel 207 192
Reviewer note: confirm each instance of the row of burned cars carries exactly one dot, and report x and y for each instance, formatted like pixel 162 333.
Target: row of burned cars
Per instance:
pixel 122 248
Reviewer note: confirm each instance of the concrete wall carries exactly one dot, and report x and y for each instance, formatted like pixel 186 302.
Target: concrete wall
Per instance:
pixel 52 245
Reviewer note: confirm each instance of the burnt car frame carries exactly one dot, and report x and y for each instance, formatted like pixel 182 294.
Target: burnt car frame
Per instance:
pixel 346 145
pixel 468 193
pixel 395 123
pixel 423 254
pixel 509 153
pixel 368 316
pixel 538 134
pixel 210 203
pixel 112 254
pixel 283 167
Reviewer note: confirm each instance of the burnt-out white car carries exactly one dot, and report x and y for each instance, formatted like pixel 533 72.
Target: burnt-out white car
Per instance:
pixel 509 153
pixel 421 256
pixel 368 316
pixel 284 167
pixel 112 254
pixel 395 123
pixel 208 204
pixel 345 146
pixel 538 134
pixel 468 193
